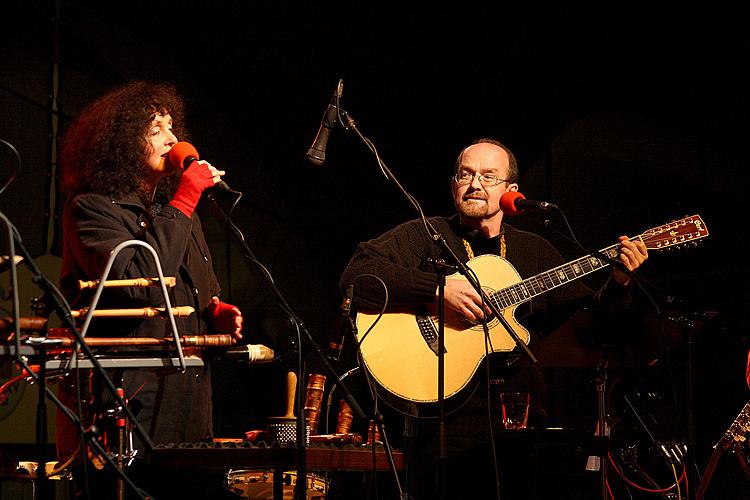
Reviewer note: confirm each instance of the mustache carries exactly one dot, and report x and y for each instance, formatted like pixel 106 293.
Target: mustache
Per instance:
pixel 476 195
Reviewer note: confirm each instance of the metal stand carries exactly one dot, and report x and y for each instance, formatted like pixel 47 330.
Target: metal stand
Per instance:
pixel 304 335
pixel 441 268
pixel 39 345
pixel 602 441
pixel 42 483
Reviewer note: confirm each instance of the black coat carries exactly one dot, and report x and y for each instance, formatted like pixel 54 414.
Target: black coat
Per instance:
pixel 174 407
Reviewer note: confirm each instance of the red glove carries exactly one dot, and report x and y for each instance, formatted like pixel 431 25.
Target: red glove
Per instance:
pixel 226 318
pixel 195 179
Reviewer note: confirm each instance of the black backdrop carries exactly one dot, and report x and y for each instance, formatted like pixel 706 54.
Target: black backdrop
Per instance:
pixel 625 115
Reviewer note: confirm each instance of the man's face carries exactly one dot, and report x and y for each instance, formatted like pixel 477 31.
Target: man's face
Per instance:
pixel 159 140
pixel 472 199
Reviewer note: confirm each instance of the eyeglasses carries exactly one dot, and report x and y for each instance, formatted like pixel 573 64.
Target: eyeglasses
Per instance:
pixel 487 180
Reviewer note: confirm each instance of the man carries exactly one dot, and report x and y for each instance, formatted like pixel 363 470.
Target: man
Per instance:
pixel 484 172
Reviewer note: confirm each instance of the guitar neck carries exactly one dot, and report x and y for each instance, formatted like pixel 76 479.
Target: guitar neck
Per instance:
pixel 546 281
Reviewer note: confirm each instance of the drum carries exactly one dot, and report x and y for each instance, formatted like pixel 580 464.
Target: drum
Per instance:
pixel 258 485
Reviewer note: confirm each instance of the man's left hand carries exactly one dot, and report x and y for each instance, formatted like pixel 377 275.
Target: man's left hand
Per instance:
pixel 632 255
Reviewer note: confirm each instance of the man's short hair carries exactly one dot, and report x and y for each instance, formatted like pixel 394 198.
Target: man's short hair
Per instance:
pixel 512 163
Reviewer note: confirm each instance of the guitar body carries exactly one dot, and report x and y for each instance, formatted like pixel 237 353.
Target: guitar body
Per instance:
pixel 399 356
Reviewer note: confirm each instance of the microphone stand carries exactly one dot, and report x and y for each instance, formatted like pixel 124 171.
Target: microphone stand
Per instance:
pixel 462 268
pixel 601 444
pixel 377 416
pixel 305 335
pixel 41 344
pixel 441 268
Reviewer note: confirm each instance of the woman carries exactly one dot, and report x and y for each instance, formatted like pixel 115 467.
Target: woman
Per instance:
pixel 121 186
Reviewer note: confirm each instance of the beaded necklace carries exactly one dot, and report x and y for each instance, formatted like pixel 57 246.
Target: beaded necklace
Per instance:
pixel 470 252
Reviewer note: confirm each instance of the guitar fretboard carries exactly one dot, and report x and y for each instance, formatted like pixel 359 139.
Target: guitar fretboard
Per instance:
pixel 541 283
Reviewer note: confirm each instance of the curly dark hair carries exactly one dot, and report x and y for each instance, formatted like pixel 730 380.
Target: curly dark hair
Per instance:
pixel 512 162
pixel 105 147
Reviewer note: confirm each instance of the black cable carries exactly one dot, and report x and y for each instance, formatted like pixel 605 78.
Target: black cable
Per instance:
pixel 377 417
pixel 382 310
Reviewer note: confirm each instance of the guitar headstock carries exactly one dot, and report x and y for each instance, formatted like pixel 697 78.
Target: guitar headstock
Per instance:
pixel 677 233
pixel 736 435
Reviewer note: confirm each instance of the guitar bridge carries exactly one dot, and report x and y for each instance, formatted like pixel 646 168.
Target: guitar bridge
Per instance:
pixel 427 328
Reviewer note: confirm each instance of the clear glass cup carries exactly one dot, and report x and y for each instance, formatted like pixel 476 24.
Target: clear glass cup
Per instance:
pixel 514 408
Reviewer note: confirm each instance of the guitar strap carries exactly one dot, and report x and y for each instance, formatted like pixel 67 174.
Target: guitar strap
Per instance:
pixel 470 252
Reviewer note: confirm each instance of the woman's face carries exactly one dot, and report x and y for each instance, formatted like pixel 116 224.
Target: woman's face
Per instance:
pixel 159 141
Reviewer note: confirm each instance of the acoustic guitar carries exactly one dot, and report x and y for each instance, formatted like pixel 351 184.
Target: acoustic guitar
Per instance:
pixel 401 353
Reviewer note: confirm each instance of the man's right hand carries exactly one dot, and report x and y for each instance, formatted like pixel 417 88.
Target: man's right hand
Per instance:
pixel 461 297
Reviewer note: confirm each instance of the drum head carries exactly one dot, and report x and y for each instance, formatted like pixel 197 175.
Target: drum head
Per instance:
pixel 258 485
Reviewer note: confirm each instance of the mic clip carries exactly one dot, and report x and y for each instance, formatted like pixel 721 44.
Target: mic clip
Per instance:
pixel 440 264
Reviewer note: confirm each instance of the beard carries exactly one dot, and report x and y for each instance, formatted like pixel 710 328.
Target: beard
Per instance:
pixel 473 209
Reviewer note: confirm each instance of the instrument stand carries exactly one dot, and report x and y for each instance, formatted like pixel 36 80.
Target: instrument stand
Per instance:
pixel 690 460
pixel 14 239
pixel 601 442
pixel 42 482
pixel 441 267
pixel 305 336
pixel 377 418
pixel 121 425
pixel 43 487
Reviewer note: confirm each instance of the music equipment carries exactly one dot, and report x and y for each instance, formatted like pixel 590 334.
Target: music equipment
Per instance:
pixel 735 440
pixel 318 456
pixel 143 312
pixel 26 323
pixel 513 203
pixel 401 350
pixel 736 436
pixel 317 152
pixel 283 429
pixel 183 154
pixel 169 281
pixel 316 384
pixel 66 339
pixel 258 485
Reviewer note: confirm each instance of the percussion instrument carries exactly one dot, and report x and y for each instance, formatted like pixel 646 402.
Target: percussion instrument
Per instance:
pixel 258 485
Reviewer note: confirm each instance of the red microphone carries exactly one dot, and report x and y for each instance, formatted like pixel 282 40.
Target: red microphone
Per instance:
pixel 513 203
pixel 183 154
pixel 507 201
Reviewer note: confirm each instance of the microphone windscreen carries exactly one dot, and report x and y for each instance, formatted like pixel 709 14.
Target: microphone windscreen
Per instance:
pixel 180 152
pixel 508 202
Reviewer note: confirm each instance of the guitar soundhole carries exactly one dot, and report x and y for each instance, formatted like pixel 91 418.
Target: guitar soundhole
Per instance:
pixel 477 325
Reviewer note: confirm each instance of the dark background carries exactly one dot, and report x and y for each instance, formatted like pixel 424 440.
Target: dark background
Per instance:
pixel 627 115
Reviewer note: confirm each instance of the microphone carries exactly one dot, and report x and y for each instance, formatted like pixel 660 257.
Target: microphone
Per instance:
pixel 317 152
pixel 183 154
pixel 336 342
pixel 513 203
pixel 251 354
